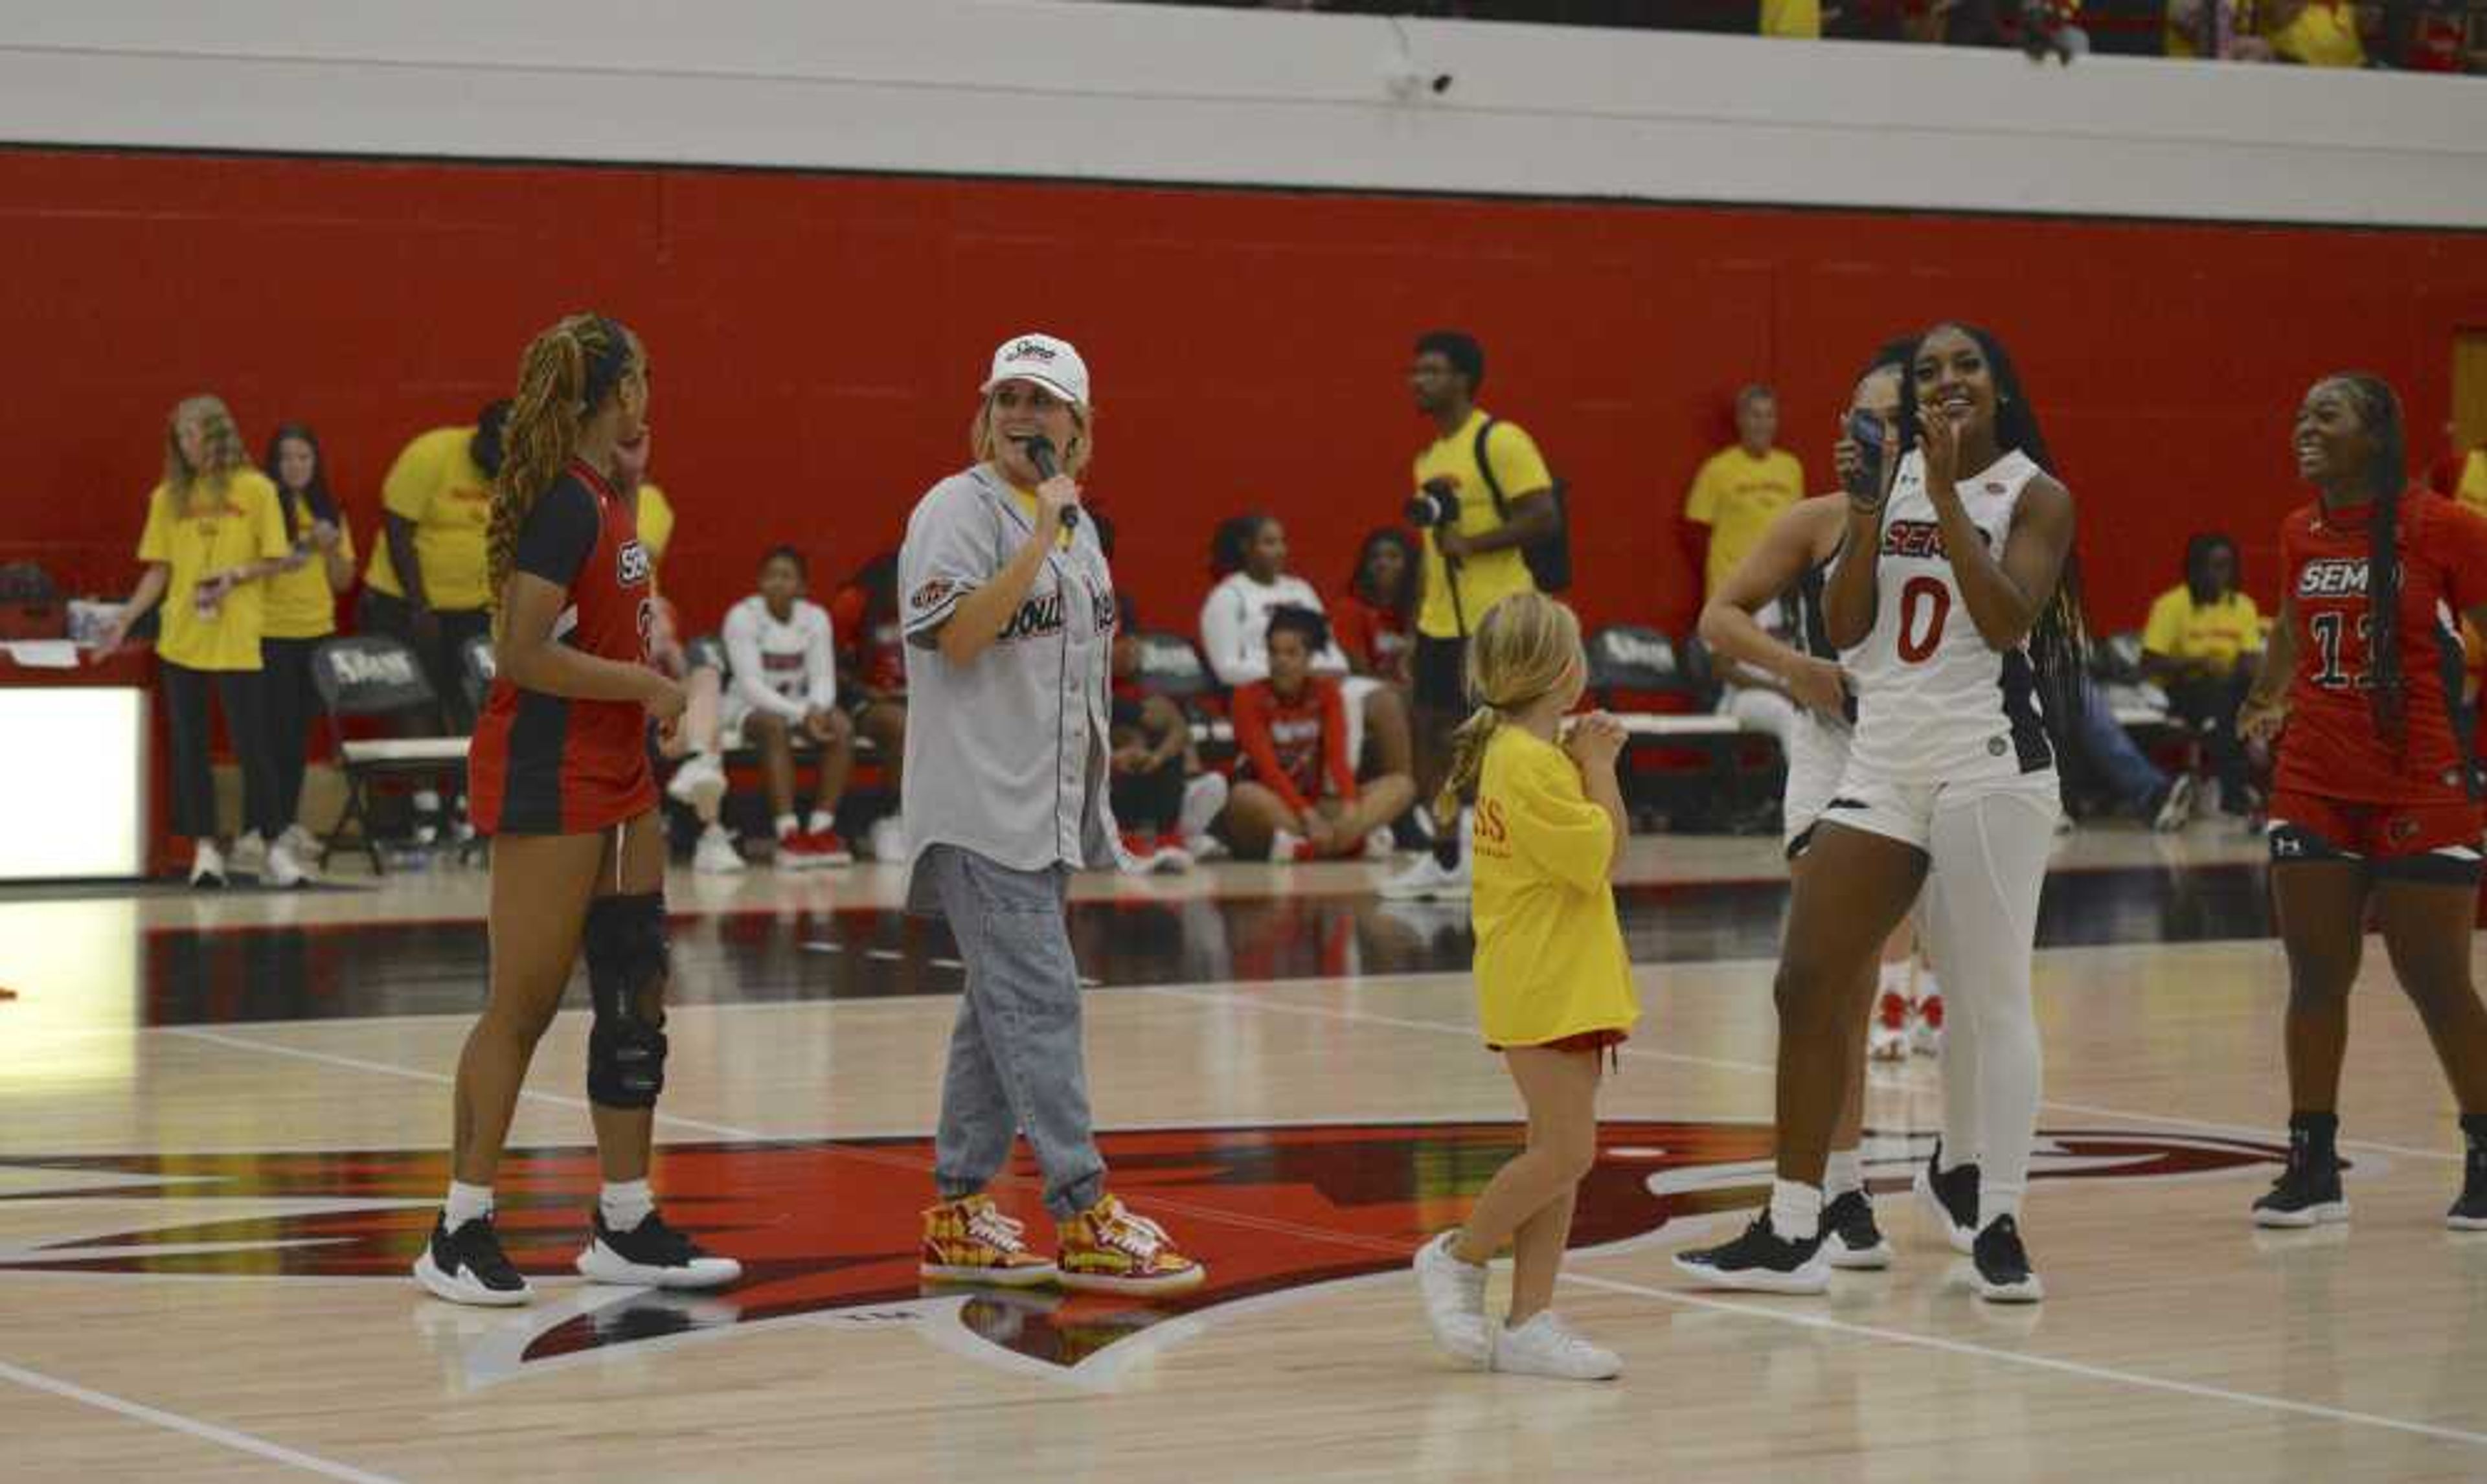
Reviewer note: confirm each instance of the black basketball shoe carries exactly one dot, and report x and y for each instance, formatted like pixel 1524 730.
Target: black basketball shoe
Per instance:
pixel 467 1266
pixel 1760 1261
pixel 652 1254
pixel 2307 1194
pixel 1950 1198
pixel 2004 1271
pixel 1851 1240
pixel 2469 1211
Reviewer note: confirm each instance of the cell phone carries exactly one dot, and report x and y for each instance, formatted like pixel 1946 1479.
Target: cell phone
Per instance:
pixel 1865 430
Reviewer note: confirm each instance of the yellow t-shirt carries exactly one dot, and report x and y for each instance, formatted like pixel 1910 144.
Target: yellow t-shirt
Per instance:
pixel 218 532
pixel 2323 34
pixel 436 485
pixel 2183 629
pixel 300 604
pixel 656 522
pixel 1737 496
pixel 1488 577
pixel 1550 955
pixel 2472 491
pixel 1797 18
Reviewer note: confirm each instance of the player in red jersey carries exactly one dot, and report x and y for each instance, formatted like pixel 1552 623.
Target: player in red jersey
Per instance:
pixel 2376 801
pixel 560 778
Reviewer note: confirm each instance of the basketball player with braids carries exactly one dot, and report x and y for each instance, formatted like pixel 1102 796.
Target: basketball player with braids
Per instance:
pixel 1946 635
pixel 2375 804
pixel 560 778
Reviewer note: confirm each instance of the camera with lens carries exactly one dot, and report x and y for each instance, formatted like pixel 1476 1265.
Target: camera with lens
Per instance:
pixel 1436 504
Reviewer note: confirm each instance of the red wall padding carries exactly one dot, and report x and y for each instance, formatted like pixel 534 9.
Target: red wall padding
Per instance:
pixel 817 339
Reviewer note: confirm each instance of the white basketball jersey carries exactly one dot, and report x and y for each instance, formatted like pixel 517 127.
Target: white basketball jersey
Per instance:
pixel 1935 702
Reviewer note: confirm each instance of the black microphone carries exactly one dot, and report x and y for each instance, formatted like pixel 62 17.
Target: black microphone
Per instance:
pixel 1040 452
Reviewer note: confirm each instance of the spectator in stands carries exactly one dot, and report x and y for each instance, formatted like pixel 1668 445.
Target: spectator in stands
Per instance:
pixel 214 537
pixel 1472 559
pixel 1163 802
pixel 2106 756
pixel 1250 555
pixel 1377 618
pixel 873 679
pixel 300 614
pixel 1740 489
pixel 697 745
pixel 2201 646
pixel 783 655
pixel 1296 796
pixel 425 584
pixel 2315 33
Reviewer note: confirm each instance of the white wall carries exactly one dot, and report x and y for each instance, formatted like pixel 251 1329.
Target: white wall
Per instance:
pixel 1151 93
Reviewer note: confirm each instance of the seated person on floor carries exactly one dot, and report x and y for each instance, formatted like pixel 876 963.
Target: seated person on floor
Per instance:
pixel 1164 801
pixel 783 657
pixel 2202 645
pixel 1295 795
pixel 872 681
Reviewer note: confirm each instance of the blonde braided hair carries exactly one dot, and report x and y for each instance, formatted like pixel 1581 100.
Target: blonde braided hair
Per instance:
pixel 1518 655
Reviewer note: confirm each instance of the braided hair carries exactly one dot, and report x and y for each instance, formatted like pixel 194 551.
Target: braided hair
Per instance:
pixel 2059 641
pixel 2387 471
pixel 567 374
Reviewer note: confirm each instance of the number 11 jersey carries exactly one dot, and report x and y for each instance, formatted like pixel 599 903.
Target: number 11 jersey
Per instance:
pixel 2331 748
pixel 1935 702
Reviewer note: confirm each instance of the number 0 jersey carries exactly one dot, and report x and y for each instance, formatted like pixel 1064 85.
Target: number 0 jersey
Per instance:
pixel 1935 702
pixel 2330 747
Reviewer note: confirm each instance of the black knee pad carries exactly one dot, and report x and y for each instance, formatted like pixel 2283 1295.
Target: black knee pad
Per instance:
pixel 626 955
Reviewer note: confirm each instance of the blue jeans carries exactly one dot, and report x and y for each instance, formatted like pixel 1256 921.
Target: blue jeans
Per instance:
pixel 1016 1058
pixel 2129 776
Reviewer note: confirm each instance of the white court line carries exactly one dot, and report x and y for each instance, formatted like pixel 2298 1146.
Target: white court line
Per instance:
pixel 1627 1049
pixel 207 1431
pixel 1959 1347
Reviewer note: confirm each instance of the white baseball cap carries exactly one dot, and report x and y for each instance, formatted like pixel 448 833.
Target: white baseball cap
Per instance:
pixel 1044 359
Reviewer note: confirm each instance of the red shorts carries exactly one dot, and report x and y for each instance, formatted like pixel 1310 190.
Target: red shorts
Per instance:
pixel 1586 1040
pixel 2309 827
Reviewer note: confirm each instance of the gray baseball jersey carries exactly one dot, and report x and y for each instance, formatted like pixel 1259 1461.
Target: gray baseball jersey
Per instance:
pixel 1006 755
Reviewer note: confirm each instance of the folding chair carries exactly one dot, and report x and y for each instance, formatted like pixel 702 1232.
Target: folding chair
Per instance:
pixel 374 676
pixel 1662 690
pixel 1171 665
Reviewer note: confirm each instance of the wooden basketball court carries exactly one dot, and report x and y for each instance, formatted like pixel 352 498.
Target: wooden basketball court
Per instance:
pixel 222 1121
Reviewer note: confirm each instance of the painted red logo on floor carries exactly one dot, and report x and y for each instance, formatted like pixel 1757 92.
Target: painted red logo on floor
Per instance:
pixel 828 1229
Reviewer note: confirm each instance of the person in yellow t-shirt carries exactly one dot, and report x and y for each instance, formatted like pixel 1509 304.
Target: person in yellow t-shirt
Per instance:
pixel 2316 33
pixel 301 614
pixel 1740 490
pixel 1471 559
pixel 2202 645
pixel 1554 987
pixel 213 538
pixel 1792 19
pixel 426 582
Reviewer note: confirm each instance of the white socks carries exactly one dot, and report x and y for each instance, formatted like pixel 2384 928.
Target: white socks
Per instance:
pixel 1796 1211
pixel 1893 978
pixel 625 1203
pixel 787 825
pixel 821 822
pixel 1844 1173
pixel 465 1204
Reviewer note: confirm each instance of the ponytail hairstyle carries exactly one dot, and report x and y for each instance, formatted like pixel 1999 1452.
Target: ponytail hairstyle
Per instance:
pixel 2386 473
pixel 568 372
pixel 219 460
pixel 2059 642
pixel 1519 653
pixel 322 505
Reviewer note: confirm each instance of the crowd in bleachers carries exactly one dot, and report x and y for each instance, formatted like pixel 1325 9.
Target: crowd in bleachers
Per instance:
pixel 1284 723
pixel 2435 35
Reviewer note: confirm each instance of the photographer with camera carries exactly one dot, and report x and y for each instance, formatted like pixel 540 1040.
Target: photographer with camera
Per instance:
pixel 1483 495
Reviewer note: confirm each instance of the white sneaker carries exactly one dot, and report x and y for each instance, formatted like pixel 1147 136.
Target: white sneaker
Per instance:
pixel 207 864
pixel 1205 849
pixel 1285 847
pixel 304 845
pixel 1204 799
pixel 699 782
pixel 282 869
pixel 1379 845
pixel 1544 1347
pixel 2177 810
pixel 1454 1294
pixel 889 839
pixel 1172 861
pixel 250 854
pixel 1428 880
pixel 716 855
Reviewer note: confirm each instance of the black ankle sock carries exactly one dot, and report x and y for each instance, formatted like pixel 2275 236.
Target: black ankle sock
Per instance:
pixel 2314 1136
pixel 2473 1128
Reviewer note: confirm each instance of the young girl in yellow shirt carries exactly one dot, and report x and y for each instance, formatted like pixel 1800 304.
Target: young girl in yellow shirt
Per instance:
pixel 1554 986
